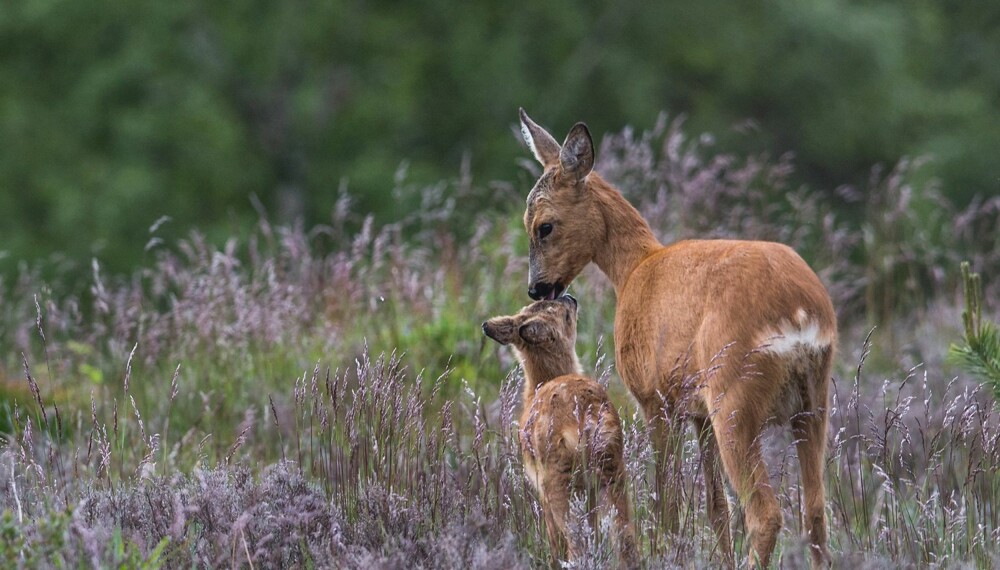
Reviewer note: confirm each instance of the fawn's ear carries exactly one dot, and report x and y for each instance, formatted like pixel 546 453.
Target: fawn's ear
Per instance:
pixel 500 329
pixel 542 145
pixel 577 155
pixel 536 331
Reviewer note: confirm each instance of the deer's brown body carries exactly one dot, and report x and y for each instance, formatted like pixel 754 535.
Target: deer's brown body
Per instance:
pixel 570 433
pixel 734 335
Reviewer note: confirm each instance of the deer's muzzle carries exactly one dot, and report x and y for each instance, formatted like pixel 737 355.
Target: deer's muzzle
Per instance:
pixel 545 291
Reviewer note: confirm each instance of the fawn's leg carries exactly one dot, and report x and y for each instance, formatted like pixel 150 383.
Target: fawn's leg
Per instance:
pixel 615 494
pixel 556 487
pixel 557 543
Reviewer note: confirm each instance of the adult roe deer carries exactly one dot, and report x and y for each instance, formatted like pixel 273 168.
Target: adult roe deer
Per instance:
pixel 568 427
pixel 751 318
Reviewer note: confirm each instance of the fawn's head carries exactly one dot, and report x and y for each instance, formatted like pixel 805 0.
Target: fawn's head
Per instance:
pixel 563 220
pixel 543 333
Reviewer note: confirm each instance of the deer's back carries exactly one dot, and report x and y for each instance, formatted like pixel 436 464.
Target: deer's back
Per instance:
pixel 692 304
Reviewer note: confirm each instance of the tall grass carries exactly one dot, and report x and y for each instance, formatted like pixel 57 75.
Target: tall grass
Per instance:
pixel 324 397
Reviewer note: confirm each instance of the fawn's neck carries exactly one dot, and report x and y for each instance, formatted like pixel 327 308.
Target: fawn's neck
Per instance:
pixel 627 240
pixel 538 371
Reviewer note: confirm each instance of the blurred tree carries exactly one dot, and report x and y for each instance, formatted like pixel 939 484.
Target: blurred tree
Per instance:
pixel 114 113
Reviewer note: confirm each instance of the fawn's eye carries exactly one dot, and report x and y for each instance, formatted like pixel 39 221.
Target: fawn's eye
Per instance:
pixel 544 230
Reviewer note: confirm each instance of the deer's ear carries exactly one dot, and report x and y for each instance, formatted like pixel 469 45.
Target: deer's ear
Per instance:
pixel 535 331
pixel 542 145
pixel 577 155
pixel 500 329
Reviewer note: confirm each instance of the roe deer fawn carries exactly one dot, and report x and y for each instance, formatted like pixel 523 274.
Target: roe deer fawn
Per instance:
pixel 751 317
pixel 569 429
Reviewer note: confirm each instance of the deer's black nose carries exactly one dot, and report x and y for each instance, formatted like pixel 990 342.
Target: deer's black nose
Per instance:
pixel 540 290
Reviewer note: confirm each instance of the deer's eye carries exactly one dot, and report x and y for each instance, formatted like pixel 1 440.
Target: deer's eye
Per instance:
pixel 544 230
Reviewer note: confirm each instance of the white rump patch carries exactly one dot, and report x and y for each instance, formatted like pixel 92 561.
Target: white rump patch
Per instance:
pixel 790 336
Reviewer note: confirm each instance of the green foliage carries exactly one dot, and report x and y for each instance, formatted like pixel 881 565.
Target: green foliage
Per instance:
pixel 125 111
pixel 980 353
pixel 11 541
pixel 126 555
pixel 44 544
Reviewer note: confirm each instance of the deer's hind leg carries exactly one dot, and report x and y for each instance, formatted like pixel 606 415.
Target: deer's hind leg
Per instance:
pixel 809 429
pixel 737 423
pixel 715 492
pixel 810 433
pixel 667 437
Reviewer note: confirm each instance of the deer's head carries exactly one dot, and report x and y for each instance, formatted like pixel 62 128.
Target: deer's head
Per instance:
pixel 563 221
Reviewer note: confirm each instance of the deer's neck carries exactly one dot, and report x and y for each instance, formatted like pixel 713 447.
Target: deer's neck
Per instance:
pixel 538 371
pixel 628 239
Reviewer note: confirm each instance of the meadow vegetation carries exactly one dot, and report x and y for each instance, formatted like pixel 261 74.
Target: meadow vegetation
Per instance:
pixel 323 396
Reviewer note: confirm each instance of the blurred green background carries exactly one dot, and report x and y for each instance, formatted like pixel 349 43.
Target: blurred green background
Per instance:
pixel 114 113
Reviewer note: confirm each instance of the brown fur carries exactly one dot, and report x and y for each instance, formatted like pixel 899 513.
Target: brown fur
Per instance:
pixel 568 425
pixel 732 334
